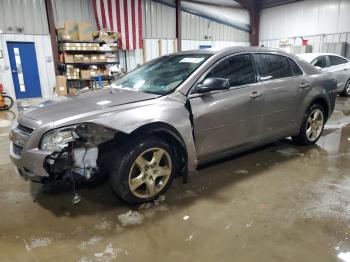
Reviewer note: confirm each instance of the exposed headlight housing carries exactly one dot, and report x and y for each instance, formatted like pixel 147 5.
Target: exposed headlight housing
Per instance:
pixel 58 139
pixel 89 133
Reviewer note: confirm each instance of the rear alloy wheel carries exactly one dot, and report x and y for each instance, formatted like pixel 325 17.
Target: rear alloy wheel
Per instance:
pixel 143 171
pixel 312 126
pixel 346 91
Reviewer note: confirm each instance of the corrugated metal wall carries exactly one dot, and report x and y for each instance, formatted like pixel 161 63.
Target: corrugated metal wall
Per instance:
pixel 27 14
pixel 76 10
pixel 318 21
pixel 198 28
pixel 309 17
pixel 31 14
pixel 160 21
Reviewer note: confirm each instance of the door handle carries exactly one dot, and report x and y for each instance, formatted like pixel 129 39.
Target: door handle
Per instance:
pixel 14 71
pixel 346 69
pixel 255 94
pixel 304 85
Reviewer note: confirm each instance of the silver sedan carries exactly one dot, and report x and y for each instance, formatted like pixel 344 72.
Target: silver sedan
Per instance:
pixel 171 115
pixel 335 64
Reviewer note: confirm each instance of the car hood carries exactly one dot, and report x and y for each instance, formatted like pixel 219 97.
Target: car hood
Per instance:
pixel 83 104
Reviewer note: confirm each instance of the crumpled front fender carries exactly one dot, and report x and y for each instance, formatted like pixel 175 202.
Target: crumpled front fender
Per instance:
pixel 163 111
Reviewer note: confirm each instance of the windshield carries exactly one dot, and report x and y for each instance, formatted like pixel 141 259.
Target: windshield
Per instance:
pixel 162 75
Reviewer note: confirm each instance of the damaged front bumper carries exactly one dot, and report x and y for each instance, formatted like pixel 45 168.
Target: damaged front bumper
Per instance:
pixel 40 164
pixel 29 164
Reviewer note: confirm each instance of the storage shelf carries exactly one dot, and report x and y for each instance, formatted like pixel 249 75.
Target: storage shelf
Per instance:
pixel 88 64
pixel 84 41
pixel 82 80
pixel 89 51
pixel 80 41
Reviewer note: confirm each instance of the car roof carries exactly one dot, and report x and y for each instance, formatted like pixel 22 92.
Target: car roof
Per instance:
pixel 311 56
pixel 232 50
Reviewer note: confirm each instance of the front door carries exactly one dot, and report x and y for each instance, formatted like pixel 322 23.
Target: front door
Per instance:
pixel 231 118
pixel 24 69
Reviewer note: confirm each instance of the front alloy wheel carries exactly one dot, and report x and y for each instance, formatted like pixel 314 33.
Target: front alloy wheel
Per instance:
pixel 142 169
pixel 150 172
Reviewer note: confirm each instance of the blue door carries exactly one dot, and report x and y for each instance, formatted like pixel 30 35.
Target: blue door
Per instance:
pixel 24 69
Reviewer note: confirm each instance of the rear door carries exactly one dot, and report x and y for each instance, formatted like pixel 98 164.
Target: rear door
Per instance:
pixel 229 118
pixel 281 92
pixel 339 66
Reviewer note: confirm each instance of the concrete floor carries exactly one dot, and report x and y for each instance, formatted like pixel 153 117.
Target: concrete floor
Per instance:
pixel 278 203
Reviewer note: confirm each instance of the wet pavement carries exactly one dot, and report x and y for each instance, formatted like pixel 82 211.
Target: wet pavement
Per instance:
pixel 278 203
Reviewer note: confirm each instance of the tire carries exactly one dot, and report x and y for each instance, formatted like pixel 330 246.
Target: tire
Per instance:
pixel 346 91
pixel 9 102
pixel 137 176
pixel 305 137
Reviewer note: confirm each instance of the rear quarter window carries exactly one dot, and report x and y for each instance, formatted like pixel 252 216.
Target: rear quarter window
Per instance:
pixel 295 68
pixel 273 66
pixel 336 60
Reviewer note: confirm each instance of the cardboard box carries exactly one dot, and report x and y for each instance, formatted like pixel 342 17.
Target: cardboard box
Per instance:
pixel 71 29
pixel 114 48
pixel 61 85
pixel 79 58
pixel 73 91
pixel 73 73
pixel 86 59
pixel 102 72
pixel 62 35
pixel 85 74
pixel 102 58
pixel 110 58
pixel 109 47
pixel 65 47
pixel 85 31
pixel 68 58
pixel 106 36
pixel 94 58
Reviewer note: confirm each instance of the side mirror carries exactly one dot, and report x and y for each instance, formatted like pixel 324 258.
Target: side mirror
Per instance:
pixel 319 68
pixel 213 84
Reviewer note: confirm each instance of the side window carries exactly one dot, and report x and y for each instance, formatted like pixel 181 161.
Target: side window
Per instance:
pixel 238 69
pixel 320 62
pixel 295 68
pixel 273 66
pixel 222 70
pixel 336 60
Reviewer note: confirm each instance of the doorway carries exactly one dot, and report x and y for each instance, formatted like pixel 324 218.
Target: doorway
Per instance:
pixel 24 69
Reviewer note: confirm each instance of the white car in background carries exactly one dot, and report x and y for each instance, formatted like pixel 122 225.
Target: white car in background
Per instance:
pixel 338 65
